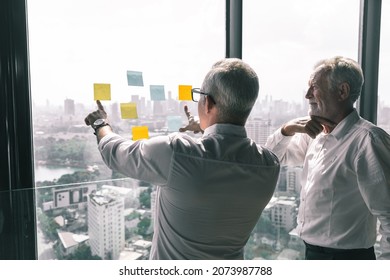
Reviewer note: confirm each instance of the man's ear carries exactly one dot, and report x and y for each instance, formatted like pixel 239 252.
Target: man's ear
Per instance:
pixel 209 103
pixel 344 90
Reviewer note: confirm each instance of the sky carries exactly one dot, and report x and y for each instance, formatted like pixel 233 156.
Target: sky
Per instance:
pixel 76 43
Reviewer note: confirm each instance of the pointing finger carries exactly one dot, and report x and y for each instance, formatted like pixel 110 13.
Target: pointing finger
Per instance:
pixel 187 111
pixel 99 104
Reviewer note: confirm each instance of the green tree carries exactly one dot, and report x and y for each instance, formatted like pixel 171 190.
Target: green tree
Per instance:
pixel 117 175
pixel 264 225
pixel 48 226
pixel 83 252
pixel 144 198
pixel 249 248
pixel 57 151
pixel 77 177
pixel 143 227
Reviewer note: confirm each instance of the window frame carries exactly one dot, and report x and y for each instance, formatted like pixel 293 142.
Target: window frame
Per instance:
pixel 17 190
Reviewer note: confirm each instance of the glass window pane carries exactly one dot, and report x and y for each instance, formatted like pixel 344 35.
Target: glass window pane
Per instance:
pixel 384 70
pixel 283 40
pixel 75 44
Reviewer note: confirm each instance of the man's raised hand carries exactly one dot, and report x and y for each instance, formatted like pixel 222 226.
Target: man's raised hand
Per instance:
pixel 193 125
pixel 98 114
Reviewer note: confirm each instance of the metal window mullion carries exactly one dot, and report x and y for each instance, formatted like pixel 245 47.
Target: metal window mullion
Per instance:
pixel 234 28
pixel 18 236
pixel 369 45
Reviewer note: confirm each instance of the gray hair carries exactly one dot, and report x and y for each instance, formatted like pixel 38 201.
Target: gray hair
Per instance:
pixel 340 69
pixel 234 86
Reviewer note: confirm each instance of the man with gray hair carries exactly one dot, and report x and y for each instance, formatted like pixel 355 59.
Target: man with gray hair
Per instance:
pixel 346 167
pixel 211 190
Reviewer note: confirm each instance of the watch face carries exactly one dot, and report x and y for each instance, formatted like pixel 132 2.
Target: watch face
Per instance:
pixel 98 122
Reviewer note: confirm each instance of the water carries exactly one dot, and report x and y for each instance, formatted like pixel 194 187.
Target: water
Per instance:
pixel 49 173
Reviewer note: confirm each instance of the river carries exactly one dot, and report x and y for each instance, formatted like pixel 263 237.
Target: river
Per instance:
pixel 49 173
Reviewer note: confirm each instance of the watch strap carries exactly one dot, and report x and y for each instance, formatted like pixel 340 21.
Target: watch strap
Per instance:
pixel 99 127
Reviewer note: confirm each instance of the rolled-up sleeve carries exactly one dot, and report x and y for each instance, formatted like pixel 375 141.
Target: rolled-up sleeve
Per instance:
pixel 148 160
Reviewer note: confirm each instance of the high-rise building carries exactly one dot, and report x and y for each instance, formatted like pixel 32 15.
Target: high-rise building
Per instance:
pixel 173 106
pixel 159 108
pixel 69 107
pixel 142 106
pixel 115 115
pixel 289 180
pixel 258 130
pixel 293 179
pixel 106 225
pixel 281 185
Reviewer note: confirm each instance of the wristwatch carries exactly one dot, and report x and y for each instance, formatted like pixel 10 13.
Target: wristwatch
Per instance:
pixel 98 124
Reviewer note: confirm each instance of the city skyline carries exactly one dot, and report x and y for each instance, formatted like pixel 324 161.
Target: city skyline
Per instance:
pixel 280 243
pixel 100 41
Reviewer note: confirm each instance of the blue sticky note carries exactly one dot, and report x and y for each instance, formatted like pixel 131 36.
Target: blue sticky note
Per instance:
pixel 157 93
pixel 134 78
pixel 174 123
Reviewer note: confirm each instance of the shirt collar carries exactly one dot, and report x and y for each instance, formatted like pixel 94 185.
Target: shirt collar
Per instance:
pixel 345 125
pixel 230 129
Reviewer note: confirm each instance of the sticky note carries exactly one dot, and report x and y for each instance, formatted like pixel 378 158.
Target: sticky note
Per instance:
pixel 134 78
pixel 185 92
pixel 129 110
pixel 157 93
pixel 102 91
pixel 140 132
pixel 174 123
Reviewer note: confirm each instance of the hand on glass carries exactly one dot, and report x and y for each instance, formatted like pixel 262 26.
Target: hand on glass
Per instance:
pixel 193 124
pixel 99 114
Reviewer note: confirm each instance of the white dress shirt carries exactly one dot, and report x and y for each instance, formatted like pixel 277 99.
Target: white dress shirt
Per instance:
pixel 345 184
pixel 211 190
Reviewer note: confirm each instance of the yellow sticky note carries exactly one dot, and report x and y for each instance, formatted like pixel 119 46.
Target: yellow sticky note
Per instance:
pixel 129 110
pixel 102 91
pixel 140 132
pixel 185 92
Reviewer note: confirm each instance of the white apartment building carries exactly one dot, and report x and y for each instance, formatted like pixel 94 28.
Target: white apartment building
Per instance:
pixel 294 179
pixel 258 130
pixel 283 212
pixel 106 225
pixel 289 181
